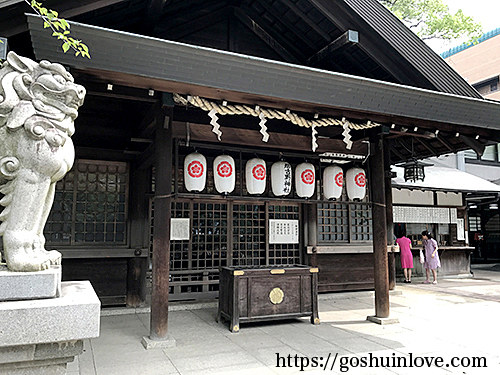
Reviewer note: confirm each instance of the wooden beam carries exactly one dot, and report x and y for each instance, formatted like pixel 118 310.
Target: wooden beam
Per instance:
pixel 196 24
pixel 265 36
pixel 153 13
pixel 248 137
pixel 146 159
pixel 429 148
pixel 446 143
pixel 339 13
pixel 478 147
pixel 350 37
pixel 271 10
pixel 398 154
pixel 146 127
pixel 307 20
pixel 232 32
pixel 408 148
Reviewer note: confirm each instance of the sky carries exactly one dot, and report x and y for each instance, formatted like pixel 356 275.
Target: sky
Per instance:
pixel 487 12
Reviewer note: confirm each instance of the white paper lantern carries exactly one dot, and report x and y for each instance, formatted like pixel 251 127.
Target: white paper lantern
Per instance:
pixel 305 180
pixel 224 174
pixel 356 183
pixel 333 180
pixel 195 172
pixel 255 172
pixel 281 178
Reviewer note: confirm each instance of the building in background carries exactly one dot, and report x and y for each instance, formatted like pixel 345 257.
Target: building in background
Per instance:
pixel 479 65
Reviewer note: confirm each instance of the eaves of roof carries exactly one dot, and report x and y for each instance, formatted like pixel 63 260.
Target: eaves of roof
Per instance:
pixel 189 67
pixel 412 48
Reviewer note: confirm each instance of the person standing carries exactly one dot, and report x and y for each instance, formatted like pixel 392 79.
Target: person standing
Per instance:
pixel 432 261
pixel 406 255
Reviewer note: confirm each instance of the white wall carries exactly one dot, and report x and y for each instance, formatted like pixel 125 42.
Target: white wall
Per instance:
pixel 449 199
pixel 406 196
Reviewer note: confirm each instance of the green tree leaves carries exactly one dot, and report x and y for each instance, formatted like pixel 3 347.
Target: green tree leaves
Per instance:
pixel 60 29
pixel 431 19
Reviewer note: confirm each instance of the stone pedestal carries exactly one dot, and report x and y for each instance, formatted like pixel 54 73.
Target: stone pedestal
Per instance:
pixel 15 286
pixel 42 336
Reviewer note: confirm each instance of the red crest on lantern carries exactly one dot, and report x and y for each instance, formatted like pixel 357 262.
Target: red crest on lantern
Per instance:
pixel 360 179
pixel 224 169
pixel 307 177
pixel 195 169
pixel 259 172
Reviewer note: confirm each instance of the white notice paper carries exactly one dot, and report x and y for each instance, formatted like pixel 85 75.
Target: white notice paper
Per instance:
pixel 179 229
pixel 460 229
pixel 283 231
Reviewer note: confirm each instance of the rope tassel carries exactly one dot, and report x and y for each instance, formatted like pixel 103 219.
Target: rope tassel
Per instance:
pixel 263 128
pixel 346 134
pixel 314 142
pixel 214 123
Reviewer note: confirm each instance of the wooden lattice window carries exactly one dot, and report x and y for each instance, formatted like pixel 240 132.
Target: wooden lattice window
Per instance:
pixel 59 227
pixel 284 253
pixel 344 223
pixel 179 249
pixel 361 223
pixel 209 248
pixel 249 235
pixel 90 205
pixel 333 222
pixel 223 233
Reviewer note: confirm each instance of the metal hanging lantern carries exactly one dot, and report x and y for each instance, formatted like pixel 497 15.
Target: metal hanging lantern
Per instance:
pixel 414 170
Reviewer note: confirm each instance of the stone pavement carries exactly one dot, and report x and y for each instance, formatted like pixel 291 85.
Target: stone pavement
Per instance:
pixel 456 318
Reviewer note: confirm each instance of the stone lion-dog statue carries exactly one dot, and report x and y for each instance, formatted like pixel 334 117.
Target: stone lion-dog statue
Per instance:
pixel 38 106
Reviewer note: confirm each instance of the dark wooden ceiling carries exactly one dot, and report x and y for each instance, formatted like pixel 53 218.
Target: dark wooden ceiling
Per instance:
pixel 322 34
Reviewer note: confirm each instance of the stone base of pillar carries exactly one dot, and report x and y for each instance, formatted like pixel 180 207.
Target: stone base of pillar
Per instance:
pixel 168 342
pixel 382 321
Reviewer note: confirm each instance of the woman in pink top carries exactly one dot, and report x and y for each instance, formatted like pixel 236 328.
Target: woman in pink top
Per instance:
pixel 406 256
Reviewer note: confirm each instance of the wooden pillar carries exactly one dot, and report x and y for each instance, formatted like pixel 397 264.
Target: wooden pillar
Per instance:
pixel 379 230
pixel 139 233
pixel 161 229
pixel 311 216
pixel 389 217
